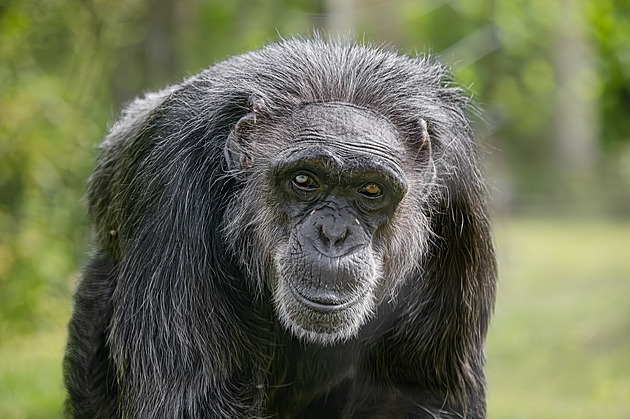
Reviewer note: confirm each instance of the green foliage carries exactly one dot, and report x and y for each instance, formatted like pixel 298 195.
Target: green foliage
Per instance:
pixel 610 22
pixel 47 133
pixel 67 67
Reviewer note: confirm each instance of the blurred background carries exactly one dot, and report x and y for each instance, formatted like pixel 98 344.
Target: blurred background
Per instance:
pixel 553 78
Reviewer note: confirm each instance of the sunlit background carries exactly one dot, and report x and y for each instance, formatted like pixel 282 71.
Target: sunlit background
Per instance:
pixel 553 78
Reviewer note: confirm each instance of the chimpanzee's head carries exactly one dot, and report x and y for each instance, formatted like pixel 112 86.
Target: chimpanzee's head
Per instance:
pixel 328 215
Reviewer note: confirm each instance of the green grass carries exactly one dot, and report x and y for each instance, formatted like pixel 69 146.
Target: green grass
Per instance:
pixel 30 372
pixel 558 347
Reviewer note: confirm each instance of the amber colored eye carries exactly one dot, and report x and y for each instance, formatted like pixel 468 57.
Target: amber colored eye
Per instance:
pixel 306 182
pixel 371 190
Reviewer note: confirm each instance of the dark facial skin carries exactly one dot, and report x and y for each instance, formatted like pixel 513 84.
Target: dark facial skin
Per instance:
pixel 340 180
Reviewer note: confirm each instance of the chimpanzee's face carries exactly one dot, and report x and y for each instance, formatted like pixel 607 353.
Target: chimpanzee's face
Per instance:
pixel 339 182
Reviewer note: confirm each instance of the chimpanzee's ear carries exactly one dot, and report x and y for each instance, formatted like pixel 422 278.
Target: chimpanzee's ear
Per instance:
pixel 424 153
pixel 239 145
pixel 420 141
pixel 423 132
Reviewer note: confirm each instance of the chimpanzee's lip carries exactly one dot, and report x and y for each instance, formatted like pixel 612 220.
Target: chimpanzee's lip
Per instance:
pixel 335 254
pixel 329 302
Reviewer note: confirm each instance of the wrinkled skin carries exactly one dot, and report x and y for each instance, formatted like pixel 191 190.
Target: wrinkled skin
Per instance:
pixel 329 272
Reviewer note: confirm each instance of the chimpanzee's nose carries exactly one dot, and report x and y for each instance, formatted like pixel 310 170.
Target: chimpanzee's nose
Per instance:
pixel 332 232
pixel 333 235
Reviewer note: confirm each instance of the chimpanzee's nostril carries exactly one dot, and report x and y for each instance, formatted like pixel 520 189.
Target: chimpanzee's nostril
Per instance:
pixel 323 235
pixel 333 238
pixel 341 237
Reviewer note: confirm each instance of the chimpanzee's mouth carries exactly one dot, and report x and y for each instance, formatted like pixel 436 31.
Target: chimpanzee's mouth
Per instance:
pixel 325 301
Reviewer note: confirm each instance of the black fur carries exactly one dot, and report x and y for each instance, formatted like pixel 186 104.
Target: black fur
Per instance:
pixel 179 314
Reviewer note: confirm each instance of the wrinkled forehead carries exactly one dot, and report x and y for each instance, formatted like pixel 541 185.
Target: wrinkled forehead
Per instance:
pixel 346 124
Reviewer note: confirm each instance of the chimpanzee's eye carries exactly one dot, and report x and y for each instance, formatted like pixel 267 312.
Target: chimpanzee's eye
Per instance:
pixel 305 182
pixel 371 190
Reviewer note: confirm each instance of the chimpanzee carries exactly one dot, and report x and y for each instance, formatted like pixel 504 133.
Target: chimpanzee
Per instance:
pixel 298 231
